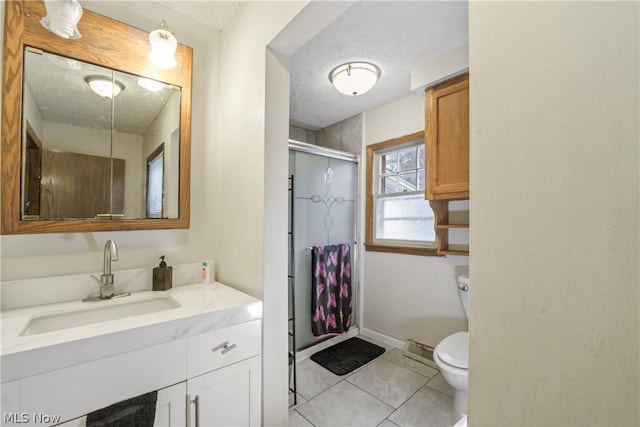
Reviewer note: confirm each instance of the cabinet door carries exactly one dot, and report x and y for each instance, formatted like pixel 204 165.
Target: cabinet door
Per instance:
pixel 171 406
pixel 77 185
pixel 447 139
pixel 229 396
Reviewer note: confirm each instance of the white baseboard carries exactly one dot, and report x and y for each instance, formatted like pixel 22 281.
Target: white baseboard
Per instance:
pixel 383 338
pixel 307 352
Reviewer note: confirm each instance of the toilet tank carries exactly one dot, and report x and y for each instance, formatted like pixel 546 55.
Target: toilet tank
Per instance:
pixel 463 291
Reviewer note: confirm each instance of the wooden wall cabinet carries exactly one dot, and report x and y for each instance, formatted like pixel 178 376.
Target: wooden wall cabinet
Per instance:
pixel 447 139
pixel 445 222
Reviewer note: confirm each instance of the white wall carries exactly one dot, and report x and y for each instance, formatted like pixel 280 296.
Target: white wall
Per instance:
pixel 42 255
pixel 251 181
pixel 408 296
pixel 31 111
pixel 555 207
pixel 163 130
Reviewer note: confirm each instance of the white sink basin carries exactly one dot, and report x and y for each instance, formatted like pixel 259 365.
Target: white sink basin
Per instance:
pixel 96 312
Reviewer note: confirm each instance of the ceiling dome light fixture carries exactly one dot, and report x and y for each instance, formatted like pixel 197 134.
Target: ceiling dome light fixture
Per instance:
pixel 163 47
pixel 151 85
pixel 354 78
pixel 104 86
pixel 62 18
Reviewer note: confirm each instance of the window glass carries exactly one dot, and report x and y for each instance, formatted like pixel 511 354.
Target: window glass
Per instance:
pixel 154 186
pixel 407 159
pixel 388 184
pixel 404 218
pixel 401 215
pixel 388 163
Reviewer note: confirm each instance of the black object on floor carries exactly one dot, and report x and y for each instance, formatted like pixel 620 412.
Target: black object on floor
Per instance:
pixel 348 355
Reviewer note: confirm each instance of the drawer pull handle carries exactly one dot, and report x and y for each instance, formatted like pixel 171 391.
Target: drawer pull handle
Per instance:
pixel 225 347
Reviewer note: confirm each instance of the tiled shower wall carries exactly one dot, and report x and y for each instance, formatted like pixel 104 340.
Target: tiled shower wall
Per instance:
pixel 344 136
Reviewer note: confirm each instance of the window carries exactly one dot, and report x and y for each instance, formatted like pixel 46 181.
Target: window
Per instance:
pixel 155 182
pixel 399 219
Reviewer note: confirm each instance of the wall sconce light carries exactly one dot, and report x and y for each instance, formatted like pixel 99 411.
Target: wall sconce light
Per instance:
pixel 104 86
pixel 62 18
pixel 354 78
pixel 163 47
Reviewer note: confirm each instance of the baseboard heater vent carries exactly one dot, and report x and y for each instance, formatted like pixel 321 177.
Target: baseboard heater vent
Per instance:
pixel 420 352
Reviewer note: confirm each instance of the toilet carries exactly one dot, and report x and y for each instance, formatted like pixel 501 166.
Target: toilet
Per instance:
pixel 452 356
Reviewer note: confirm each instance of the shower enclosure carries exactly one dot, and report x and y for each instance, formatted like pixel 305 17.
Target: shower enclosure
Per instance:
pixel 322 211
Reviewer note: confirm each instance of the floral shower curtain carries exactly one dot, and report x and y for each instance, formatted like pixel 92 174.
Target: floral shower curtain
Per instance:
pixel 331 302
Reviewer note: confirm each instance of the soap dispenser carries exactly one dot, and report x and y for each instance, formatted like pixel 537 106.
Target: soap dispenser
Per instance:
pixel 162 276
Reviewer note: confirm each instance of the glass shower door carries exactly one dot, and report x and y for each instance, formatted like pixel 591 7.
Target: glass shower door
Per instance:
pixel 324 198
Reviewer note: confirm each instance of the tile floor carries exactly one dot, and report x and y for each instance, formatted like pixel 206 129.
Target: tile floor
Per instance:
pixel 392 390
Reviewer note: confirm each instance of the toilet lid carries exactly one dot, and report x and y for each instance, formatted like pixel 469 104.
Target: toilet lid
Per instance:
pixel 454 350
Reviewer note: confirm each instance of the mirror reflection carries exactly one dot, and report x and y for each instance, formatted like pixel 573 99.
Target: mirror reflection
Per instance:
pixel 97 143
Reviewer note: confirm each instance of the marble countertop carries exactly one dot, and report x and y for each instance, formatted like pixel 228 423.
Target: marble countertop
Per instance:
pixel 203 307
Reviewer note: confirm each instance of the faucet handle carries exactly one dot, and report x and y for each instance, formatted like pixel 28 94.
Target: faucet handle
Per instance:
pixel 106 279
pixel 106 289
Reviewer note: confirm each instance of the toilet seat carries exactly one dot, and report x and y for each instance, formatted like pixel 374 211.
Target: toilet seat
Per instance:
pixel 454 350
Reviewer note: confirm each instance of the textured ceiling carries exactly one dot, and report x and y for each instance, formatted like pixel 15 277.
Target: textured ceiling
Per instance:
pixel 215 14
pixel 395 35
pixel 58 87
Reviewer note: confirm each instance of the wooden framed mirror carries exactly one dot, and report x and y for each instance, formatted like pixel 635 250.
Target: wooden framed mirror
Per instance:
pixel 73 161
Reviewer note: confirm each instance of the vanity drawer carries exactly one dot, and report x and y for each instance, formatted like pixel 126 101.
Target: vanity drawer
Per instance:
pixel 216 349
pixel 77 390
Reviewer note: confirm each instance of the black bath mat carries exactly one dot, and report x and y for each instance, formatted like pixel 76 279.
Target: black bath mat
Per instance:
pixel 348 355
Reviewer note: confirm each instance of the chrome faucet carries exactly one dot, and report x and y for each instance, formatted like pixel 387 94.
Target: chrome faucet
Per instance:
pixel 106 279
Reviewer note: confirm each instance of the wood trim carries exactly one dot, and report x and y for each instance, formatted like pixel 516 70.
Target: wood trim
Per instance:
pixel 450 192
pixel 446 226
pixel 105 42
pixel 368 236
pixel 435 189
pixel 395 141
pixel 407 250
pixel 441 211
pixel 29 192
pixel 11 115
pixel 447 251
pixel 429 147
pixel 369 208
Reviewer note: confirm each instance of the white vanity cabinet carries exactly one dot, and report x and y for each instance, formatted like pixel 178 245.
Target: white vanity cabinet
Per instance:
pixel 210 379
pixel 171 408
pixel 205 350
pixel 226 397
pixel 71 392
pixel 224 369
